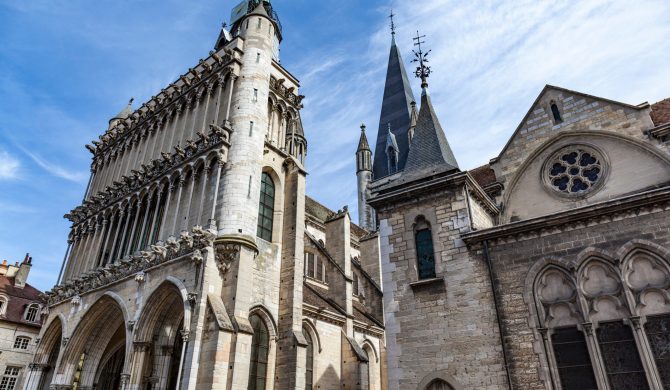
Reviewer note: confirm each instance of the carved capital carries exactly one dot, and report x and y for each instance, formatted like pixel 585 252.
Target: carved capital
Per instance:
pixel 64 341
pixel 140 277
pixel 185 334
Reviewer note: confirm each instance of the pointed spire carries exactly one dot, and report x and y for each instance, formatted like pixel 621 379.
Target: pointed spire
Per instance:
pixel 395 110
pixel 430 152
pixel 363 141
pixel 125 113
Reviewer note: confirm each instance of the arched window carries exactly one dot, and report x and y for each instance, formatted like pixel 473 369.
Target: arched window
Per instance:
pixel 425 253
pixel 309 361
pixel 266 208
pixel 31 312
pixel 556 113
pixel 260 344
pixel 438 384
pixel 21 342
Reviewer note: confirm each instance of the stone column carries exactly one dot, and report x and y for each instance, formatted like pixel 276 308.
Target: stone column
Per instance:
pixel 122 249
pixel 150 234
pixel 101 259
pixel 165 211
pixel 646 355
pixel 184 225
pixel 177 205
pixel 113 253
pixel 138 208
pixel 141 239
pixel 599 370
pixel 203 193
pixel 140 354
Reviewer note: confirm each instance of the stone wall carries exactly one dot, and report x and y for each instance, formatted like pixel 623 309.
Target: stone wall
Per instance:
pixel 445 325
pixel 513 258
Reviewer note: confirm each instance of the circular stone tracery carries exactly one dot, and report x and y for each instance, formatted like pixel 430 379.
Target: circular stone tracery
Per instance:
pixel 575 171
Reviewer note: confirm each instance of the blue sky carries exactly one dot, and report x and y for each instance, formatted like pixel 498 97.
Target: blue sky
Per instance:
pixel 67 66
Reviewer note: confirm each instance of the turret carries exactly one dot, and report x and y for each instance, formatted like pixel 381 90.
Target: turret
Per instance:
pixel 259 28
pixel 366 217
pixel 123 115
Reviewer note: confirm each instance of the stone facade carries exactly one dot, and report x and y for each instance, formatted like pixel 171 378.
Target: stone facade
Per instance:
pixel 565 232
pixel 192 263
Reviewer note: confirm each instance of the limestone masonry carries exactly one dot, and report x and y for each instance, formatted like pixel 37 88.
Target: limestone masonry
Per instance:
pixel 196 260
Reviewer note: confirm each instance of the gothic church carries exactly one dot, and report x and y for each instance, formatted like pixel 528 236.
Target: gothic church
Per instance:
pixel 196 261
pixel 546 268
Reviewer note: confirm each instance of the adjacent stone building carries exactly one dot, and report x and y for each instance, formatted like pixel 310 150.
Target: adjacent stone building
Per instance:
pixel 196 261
pixel 20 322
pixel 547 268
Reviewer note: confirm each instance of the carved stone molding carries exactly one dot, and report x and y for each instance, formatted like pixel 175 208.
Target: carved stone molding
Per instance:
pixel 133 266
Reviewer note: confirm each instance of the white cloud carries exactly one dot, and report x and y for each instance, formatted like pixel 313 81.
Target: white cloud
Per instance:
pixel 55 170
pixel 9 166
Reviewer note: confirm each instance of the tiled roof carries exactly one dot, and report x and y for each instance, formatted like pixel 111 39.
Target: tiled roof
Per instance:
pixel 321 213
pixel 19 299
pixel 483 175
pixel 660 112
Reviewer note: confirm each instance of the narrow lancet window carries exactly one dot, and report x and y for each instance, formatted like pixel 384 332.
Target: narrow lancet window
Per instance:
pixel 425 253
pixel 260 344
pixel 266 208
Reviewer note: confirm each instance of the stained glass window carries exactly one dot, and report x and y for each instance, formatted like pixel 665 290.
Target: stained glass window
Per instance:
pixel 621 357
pixel 572 359
pixel 266 208
pixel 425 254
pixel 260 344
pixel 658 332
pixel 574 171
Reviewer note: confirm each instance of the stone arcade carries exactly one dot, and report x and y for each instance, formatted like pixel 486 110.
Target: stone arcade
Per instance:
pixel 196 261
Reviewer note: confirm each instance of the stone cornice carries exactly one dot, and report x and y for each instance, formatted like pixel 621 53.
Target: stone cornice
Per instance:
pixel 372 330
pixel 172 97
pixel 189 245
pixel 648 202
pixel 661 132
pixel 156 169
pixel 324 314
pixel 393 193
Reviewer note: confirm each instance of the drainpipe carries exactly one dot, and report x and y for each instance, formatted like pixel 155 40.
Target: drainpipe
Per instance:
pixel 495 304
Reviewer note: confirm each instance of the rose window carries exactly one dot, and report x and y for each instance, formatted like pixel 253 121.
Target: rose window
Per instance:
pixel 575 171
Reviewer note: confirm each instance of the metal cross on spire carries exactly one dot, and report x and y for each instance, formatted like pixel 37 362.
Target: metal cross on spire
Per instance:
pixel 392 24
pixel 422 71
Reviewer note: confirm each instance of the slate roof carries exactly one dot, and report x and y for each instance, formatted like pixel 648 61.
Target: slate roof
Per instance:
pixel 19 299
pixel 430 152
pixel 363 141
pixel 660 112
pixel 396 111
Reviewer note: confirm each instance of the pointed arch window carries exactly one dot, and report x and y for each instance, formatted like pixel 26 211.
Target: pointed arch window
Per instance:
pixel 309 362
pixel 266 208
pixel 425 253
pixel 260 345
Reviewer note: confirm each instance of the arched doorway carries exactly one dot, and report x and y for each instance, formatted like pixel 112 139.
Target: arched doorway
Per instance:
pixel 159 332
pixel 48 351
pixel 99 336
pixel 439 384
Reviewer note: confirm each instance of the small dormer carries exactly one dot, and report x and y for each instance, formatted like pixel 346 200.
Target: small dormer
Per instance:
pixel 392 152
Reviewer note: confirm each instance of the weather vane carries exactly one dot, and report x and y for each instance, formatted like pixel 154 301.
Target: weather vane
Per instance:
pixel 422 71
pixel 392 23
